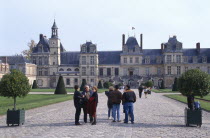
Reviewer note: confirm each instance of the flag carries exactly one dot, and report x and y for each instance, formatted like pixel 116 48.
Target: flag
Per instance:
pixel 133 28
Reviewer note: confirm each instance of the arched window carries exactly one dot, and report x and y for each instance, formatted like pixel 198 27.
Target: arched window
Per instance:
pixel 61 69
pixel 76 69
pixel 68 69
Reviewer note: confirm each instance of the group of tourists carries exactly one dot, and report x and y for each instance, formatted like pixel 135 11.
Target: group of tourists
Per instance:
pixel 88 101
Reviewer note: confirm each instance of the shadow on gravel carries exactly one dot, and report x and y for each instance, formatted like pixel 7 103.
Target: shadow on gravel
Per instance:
pixel 53 124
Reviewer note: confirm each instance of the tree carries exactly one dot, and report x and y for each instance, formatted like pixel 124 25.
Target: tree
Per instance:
pixel 83 84
pixel 60 89
pixel 27 53
pixel 194 82
pixel 34 86
pixel 162 85
pixel 149 84
pixel 175 85
pixel 14 85
pixel 107 84
pixel 100 85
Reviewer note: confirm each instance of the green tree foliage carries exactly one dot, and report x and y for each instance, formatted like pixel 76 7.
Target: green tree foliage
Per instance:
pixel 175 85
pixel 34 86
pixel 100 85
pixel 107 84
pixel 162 85
pixel 14 85
pixel 148 84
pixel 194 82
pixel 60 89
pixel 83 85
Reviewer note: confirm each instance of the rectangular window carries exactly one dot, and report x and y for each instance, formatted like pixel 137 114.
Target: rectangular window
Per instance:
pixel 34 60
pixel 158 71
pixel 158 60
pixel 40 60
pixel 147 60
pixel 131 60
pixel 178 58
pixel 83 70
pixel 116 71
pixel 92 71
pixel 186 69
pixel 46 61
pixel 195 59
pixel 125 60
pixel 137 60
pixel 147 70
pixel 92 80
pixel 178 70
pixel 46 73
pixel 204 59
pixel 208 70
pixel 83 60
pixel 67 81
pixel 169 70
pixel 92 60
pixel 108 71
pixel 185 59
pixel 101 72
pixel 168 58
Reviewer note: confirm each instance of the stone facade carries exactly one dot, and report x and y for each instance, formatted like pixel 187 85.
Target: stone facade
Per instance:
pixel 131 65
pixel 4 69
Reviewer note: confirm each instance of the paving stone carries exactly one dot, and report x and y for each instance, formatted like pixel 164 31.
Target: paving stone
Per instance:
pixel 155 117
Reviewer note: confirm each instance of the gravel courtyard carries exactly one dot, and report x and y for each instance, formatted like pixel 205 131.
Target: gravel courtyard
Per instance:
pixel 155 117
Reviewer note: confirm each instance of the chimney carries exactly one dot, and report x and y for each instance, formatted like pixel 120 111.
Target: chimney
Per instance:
pixel 141 40
pixel 198 47
pixel 41 36
pixel 162 47
pixel 123 40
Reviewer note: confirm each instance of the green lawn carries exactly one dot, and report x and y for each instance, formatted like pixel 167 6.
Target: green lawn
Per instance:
pixel 164 91
pixel 178 97
pixel 68 90
pixel 205 98
pixel 31 101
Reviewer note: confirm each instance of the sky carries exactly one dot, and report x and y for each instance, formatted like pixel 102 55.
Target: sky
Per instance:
pixel 103 22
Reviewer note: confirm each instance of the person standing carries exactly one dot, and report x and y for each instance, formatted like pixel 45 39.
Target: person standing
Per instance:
pixel 140 90
pixel 92 104
pixel 145 91
pixel 109 102
pixel 116 97
pixel 78 98
pixel 128 98
pixel 87 94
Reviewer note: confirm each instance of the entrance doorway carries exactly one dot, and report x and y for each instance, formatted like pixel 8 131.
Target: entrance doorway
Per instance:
pixel 130 73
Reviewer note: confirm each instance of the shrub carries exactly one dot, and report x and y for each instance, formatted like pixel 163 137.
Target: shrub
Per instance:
pixel 175 85
pixel 149 84
pixel 83 85
pixel 162 85
pixel 100 85
pixel 107 84
pixel 60 89
pixel 34 86
pixel 14 85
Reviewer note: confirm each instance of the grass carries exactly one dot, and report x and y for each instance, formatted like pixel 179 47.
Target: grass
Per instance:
pixel 205 98
pixel 68 90
pixel 32 101
pixel 181 98
pixel 164 91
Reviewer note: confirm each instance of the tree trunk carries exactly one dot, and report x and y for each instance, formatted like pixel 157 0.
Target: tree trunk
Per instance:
pixel 14 103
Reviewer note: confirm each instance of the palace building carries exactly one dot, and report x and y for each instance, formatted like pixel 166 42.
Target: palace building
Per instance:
pixel 133 64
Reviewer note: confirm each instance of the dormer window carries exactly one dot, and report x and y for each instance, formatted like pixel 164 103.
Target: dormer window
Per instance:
pixel 158 60
pixel 204 59
pixel 83 49
pixel 147 60
pixel 195 59
pixel 185 59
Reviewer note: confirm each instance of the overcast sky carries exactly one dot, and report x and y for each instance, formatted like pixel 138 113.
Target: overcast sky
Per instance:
pixel 103 22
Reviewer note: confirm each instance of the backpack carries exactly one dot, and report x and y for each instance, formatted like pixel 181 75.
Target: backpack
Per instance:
pixel 197 105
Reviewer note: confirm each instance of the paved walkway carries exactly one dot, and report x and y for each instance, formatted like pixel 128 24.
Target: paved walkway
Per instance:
pixel 155 117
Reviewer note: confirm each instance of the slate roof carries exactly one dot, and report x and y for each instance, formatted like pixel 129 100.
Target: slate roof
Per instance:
pixel 131 42
pixel 152 54
pixel 45 46
pixel 12 60
pixel 54 25
pixel 70 58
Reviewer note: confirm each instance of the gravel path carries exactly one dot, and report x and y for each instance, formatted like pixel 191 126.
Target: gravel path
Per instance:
pixel 155 117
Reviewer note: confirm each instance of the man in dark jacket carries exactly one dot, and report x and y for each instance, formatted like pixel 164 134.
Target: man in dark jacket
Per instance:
pixel 116 97
pixel 109 102
pixel 87 94
pixel 140 90
pixel 77 104
pixel 128 98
